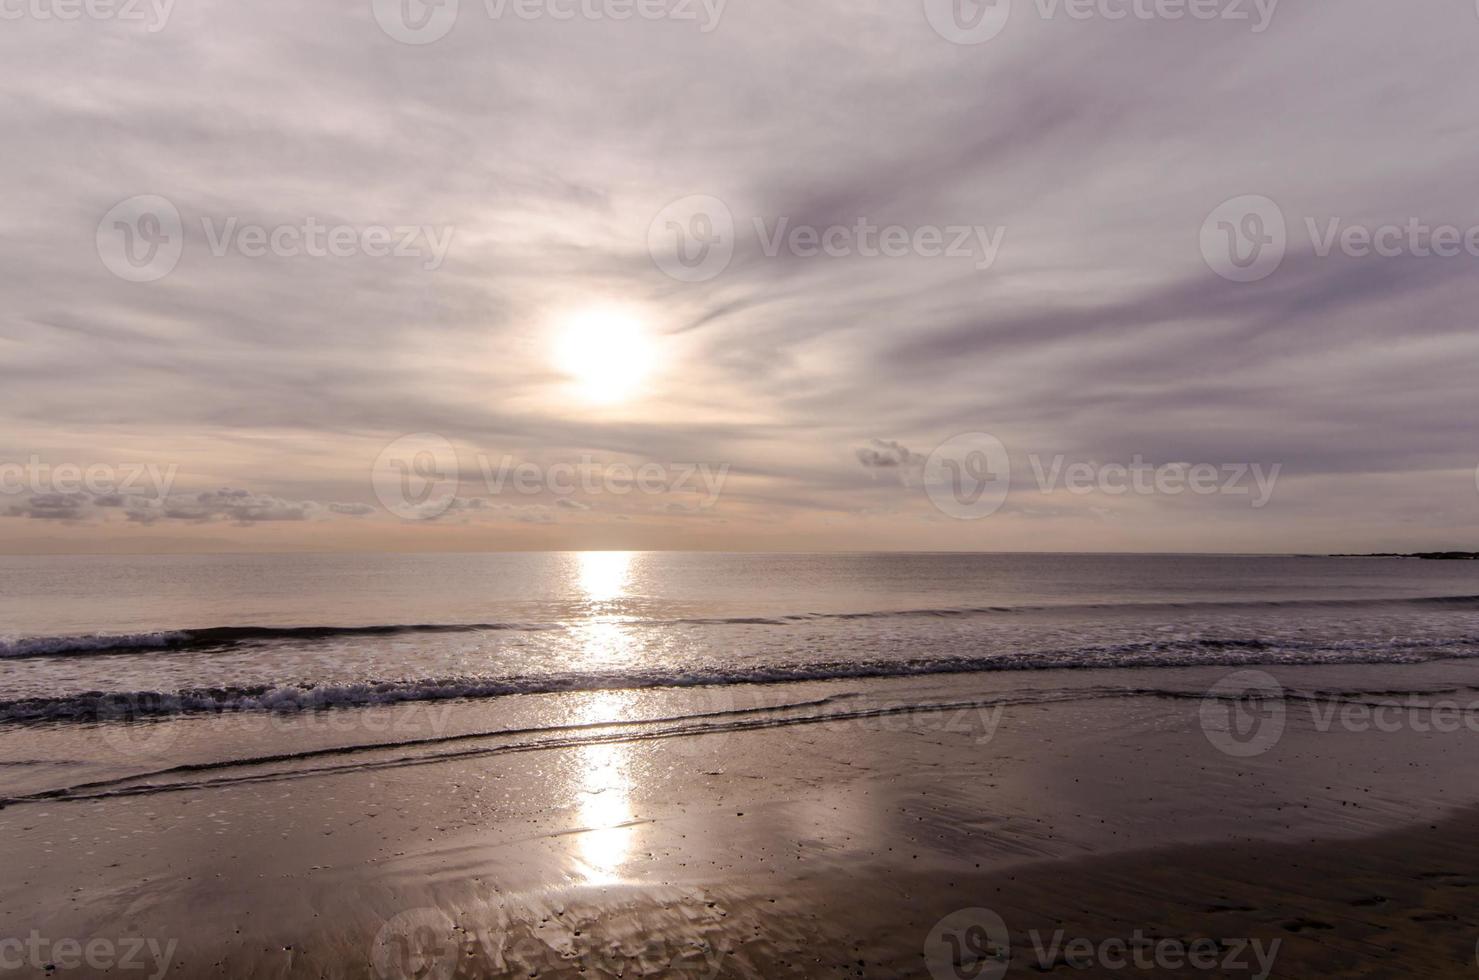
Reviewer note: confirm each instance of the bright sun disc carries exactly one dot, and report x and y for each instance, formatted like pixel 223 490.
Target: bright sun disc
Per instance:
pixel 606 353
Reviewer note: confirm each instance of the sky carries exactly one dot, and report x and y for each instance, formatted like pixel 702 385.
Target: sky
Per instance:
pixel 1103 275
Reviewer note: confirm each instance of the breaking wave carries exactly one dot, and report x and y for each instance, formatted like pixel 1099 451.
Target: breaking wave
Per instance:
pixel 220 637
pixel 1233 652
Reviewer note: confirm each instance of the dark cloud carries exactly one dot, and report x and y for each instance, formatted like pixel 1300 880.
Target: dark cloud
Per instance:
pixel 240 507
pixel 52 506
pixel 887 454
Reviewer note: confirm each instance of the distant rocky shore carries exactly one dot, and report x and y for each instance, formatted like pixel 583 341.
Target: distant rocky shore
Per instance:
pixel 1428 555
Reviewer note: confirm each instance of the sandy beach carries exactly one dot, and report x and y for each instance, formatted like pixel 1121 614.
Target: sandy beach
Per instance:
pixel 769 846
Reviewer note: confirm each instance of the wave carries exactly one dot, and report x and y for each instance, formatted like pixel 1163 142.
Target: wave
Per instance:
pixel 104 706
pixel 371 756
pixel 228 636
pixel 224 637
pixel 217 773
pixel 48 646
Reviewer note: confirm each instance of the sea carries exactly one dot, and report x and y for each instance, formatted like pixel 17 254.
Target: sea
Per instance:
pixel 96 640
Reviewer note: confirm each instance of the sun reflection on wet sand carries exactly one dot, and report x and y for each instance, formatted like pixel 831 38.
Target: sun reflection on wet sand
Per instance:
pixel 604 782
pixel 605 802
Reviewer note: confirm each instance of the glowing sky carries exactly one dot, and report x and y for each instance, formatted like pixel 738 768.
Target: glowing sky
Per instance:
pixel 539 155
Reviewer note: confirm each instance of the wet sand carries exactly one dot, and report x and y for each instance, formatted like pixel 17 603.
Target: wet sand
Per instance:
pixel 830 848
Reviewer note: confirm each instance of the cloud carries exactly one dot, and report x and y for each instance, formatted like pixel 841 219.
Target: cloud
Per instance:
pixel 52 507
pixel 886 454
pixel 240 507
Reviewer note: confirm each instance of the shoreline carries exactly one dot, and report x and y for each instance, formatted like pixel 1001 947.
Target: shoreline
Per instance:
pixel 793 850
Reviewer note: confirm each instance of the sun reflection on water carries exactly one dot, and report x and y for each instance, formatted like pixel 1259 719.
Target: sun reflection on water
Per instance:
pixel 603 575
pixel 602 578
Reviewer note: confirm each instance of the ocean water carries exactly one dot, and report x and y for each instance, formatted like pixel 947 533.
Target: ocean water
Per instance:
pixel 103 640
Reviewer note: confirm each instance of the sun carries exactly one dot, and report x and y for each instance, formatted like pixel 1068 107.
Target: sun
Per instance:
pixel 606 352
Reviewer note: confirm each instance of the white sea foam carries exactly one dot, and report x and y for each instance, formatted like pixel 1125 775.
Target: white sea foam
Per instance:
pixel 125 705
